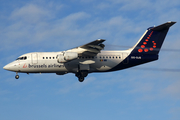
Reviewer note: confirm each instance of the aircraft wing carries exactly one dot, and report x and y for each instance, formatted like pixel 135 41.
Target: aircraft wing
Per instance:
pixel 89 49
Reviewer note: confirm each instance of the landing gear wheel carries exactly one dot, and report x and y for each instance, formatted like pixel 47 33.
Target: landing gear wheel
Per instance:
pixel 81 79
pixel 17 76
pixel 81 75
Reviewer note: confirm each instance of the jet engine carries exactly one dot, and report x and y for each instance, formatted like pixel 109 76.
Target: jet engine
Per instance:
pixel 66 56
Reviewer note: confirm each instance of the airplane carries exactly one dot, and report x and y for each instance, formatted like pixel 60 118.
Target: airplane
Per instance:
pixel 91 57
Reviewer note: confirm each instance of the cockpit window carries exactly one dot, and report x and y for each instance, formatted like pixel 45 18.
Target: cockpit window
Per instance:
pixel 22 58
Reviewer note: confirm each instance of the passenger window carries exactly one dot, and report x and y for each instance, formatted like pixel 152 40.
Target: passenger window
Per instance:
pixel 49 57
pixel 53 57
pixel 46 57
pixel 43 57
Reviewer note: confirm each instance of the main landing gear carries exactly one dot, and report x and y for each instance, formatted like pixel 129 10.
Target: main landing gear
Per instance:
pixel 17 76
pixel 81 75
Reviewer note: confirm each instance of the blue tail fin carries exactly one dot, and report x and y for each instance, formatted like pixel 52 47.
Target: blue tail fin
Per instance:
pixel 152 40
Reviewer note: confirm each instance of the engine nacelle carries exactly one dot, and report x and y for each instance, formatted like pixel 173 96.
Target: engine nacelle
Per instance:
pixel 66 56
pixel 70 55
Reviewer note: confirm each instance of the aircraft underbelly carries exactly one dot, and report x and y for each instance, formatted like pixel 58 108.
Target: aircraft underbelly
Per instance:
pixel 105 65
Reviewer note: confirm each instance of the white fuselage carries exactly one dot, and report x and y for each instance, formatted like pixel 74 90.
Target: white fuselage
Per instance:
pixel 46 62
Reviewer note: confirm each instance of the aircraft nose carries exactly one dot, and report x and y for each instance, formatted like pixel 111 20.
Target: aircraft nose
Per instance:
pixel 6 67
pixel 11 66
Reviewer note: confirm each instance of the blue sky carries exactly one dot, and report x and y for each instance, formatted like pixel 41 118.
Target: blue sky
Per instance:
pixel 131 94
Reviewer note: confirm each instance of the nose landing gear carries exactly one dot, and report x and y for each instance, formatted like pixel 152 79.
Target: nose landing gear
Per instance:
pixel 17 76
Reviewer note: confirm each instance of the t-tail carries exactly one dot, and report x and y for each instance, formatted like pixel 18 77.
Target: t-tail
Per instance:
pixel 149 45
pixel 147 48
pixel 152 39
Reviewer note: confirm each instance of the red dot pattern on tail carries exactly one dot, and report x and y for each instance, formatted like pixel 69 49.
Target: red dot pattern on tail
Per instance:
pixel 145 43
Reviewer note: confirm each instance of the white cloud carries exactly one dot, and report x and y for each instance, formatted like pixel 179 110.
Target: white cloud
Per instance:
pixel 103 6
pixel 32 24
pixel 136 4
pixel 35 23
pixel 173 89
pixel 30 13
pixel 76 16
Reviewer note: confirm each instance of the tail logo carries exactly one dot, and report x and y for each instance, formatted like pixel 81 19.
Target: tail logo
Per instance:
pixel 143 47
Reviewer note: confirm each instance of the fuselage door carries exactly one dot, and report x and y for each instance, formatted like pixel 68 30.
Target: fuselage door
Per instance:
pixel 34 58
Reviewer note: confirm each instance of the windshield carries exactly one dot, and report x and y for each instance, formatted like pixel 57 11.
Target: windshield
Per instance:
pixel 22 58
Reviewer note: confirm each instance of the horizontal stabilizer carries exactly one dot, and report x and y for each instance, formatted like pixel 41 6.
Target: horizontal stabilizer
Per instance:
pixel 163 26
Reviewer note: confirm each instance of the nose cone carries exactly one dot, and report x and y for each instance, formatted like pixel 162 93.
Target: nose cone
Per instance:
pixel 11 66
pixel 6 67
